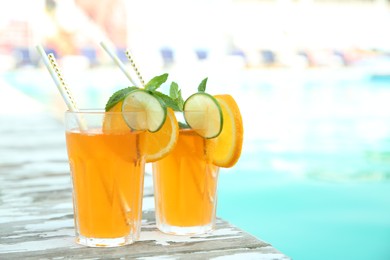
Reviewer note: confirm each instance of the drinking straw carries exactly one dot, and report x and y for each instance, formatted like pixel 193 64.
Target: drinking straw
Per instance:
pixel 51 65
pixel 130 58
pixel 117 61
pixel 56 75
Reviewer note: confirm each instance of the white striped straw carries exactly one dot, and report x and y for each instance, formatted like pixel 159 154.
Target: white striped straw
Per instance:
pixel 56 75
pixel 58 78
pixel 64 87
pixel 130 58
pixel 117 61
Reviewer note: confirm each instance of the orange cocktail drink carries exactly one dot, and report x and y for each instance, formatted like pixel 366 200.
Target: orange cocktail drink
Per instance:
pixel 107 168
pixel 107 152
pixel 185 181
pixel 185 184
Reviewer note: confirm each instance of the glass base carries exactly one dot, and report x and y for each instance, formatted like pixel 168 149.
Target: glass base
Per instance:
pixel 185 231
pixel 104 242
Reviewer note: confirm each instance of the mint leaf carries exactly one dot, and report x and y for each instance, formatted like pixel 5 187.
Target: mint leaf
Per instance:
pixel 117 97
pixel 168 101
pixel 180 101
pixel 202 85
pixel 175 94
pixel 173 90
pixel 156 82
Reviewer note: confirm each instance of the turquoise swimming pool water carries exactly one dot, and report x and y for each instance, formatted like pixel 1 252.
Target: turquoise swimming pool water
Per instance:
pixel 314 176
pixel 309 219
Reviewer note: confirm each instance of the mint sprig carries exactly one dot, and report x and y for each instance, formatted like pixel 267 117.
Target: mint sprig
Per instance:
pixel 175 94
pixel 151 87
pixel 202 85
pixel 174 100
pixel 156 82
pixel 167 100
pixel 118 97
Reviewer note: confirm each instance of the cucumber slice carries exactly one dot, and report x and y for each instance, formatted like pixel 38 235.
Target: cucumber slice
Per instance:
pixel 203 114
pixel 152 111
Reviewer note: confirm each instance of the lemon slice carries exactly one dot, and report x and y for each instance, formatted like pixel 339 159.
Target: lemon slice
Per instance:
pixel 203 114
pixel 153 111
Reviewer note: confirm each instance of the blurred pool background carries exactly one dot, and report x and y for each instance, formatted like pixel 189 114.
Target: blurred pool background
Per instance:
pixel 314 92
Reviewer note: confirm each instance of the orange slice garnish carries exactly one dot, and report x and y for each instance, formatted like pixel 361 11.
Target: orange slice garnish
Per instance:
pixel 155 145
pixel 161 143
pixel 225 149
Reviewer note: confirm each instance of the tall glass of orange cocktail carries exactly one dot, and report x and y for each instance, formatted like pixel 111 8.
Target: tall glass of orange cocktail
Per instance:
pixel 185 184
pixel 107 151
pixel 185 181
pixel 107 168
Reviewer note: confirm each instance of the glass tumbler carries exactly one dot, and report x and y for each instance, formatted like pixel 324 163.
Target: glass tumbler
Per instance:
pixel 185 185
pixel 107 170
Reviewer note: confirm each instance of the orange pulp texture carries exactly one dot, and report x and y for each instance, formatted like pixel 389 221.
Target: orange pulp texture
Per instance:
pixel 107 174
pixel 186 183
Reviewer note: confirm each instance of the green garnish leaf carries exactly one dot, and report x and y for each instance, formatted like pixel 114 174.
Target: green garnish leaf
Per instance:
pixel 168 101
pixel 202 85
pixel 175 94
pixel 173 90
pixel 174 100
pixel 117 97
pixel 180 101
pixel 156 82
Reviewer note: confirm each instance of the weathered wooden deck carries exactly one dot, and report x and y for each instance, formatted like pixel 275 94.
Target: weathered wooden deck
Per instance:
pixel 36 215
